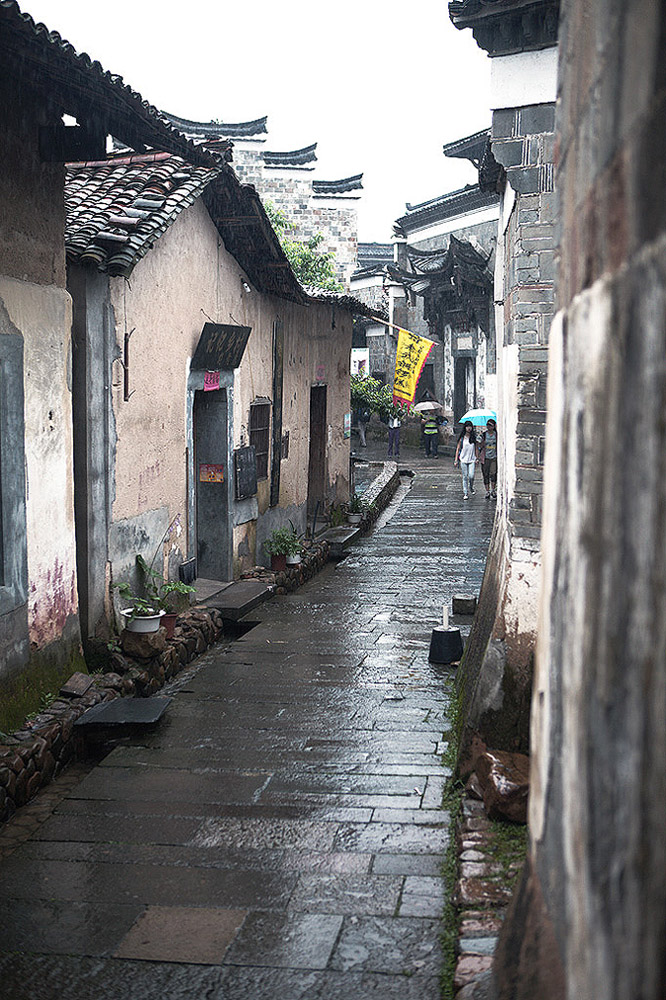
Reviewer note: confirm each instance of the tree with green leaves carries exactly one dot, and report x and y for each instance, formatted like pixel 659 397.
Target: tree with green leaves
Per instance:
pixel 312 266
pixel 369 393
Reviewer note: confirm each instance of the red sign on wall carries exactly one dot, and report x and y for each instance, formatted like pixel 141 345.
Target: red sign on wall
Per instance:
pixel 211 381
pixel 211 473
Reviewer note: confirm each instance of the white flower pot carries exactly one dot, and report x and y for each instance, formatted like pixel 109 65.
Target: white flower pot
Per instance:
pixel 142 623
pixel 354 518
pixel 294 560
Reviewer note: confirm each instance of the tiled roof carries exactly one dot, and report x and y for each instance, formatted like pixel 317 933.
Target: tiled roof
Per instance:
pixel 33 54
pixel 458 264
pixel 374 253
pixel 470 148
pixel 294 158
pixel 448 206
pixel 117 209
pixel 338 187
pixel 216 130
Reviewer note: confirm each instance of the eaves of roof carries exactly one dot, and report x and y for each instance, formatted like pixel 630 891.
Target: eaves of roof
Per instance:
pixel 349 303
pixel 117 209
pixel 214 130
pixel 449 206
pixel 338 187
pixel 43 60
pixel 472 147
pixel 292 158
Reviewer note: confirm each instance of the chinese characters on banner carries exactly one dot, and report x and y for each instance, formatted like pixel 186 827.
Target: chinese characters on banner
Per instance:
pixel 211 381
pixel 409 361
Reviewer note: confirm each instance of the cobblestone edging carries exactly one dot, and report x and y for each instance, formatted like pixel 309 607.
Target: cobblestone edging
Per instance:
pixel 312 560
pixel 483 892
pixel 379 494
pixel 36 753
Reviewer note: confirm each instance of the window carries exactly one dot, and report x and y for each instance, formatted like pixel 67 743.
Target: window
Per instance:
pixel 260 425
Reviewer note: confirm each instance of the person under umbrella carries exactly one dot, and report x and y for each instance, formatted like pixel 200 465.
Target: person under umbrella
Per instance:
pixel 466 456
pixel 487 452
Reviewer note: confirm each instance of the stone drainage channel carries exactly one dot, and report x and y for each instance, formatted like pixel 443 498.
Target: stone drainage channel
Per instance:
pixel 281 830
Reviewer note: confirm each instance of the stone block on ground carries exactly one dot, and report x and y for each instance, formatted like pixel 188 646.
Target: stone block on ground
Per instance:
pixel 143 645
pixel 76 686
pixel 505 780
pixel 464 604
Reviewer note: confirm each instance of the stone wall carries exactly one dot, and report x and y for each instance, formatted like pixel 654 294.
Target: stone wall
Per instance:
pixel 498 667
pixel 589 920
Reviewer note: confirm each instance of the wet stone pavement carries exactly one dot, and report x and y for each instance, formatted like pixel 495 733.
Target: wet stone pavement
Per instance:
pixel 280 833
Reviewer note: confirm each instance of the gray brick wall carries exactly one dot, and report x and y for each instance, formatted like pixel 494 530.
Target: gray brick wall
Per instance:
pixel 291 192
pixel 523 142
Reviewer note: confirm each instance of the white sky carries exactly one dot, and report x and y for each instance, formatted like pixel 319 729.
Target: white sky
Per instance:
pixel 380 85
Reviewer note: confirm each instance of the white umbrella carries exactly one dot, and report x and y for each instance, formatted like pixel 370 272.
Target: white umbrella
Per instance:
pixel 429 404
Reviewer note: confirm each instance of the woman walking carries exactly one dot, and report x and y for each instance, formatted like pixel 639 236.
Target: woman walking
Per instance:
pixel 487 452
pixel 466 454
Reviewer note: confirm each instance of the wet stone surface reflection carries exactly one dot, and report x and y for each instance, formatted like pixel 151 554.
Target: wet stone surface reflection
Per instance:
pixel 280 833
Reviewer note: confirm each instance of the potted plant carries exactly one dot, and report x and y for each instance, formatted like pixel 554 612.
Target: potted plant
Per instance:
pixel 155 607
pixel 295 548
pixel 355 509
pixel 282 542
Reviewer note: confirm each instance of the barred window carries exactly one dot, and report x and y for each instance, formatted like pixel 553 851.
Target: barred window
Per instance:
pixel 260 424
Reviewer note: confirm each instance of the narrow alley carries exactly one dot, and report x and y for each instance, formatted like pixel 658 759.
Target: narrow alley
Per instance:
pixel 280 832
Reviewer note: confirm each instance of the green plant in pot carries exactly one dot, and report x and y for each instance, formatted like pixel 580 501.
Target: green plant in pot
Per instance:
pixel 157 603
pixel 282 542
pixel 356 508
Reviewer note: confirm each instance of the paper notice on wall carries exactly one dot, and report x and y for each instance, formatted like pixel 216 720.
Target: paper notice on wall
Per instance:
pixel 211 381
pixel 347 425
pixel 211 473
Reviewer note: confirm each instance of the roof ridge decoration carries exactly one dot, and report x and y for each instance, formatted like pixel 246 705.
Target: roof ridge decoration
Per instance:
pixel 290 158
pixel 29 47
pixel 214 129
pixel 447 206
pixel 341 186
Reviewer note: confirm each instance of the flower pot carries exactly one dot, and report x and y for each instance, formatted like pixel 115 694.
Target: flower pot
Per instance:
pixel 354 518
pixel 142 623
pixel 169 623
pixel 278 563
pixel 294 560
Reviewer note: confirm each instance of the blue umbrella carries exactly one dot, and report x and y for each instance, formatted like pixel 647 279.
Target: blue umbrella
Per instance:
pixel 478 417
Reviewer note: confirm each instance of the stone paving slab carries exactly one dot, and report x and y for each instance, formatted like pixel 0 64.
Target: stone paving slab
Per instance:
pixel 280 833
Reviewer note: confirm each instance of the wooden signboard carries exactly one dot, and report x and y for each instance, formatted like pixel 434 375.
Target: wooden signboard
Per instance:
pixel 220 347
pixel 245 468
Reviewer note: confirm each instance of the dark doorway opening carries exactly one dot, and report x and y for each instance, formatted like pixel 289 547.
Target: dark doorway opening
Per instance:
pixel 317 463
pixel 464 386
pixel 211 471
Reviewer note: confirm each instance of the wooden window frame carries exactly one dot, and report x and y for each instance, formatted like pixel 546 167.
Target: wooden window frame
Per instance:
pixel 260 435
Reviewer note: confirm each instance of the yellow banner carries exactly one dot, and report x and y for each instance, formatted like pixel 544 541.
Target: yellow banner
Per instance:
pixel 409 361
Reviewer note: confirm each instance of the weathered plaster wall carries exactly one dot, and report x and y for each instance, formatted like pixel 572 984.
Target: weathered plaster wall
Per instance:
pixel 186 280
pixel 597 891
pixel 42 314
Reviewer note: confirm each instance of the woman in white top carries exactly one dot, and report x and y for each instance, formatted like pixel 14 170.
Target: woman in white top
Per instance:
pixel 466 455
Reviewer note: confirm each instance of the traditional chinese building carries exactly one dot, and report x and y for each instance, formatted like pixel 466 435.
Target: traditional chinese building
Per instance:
pixel 287 179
